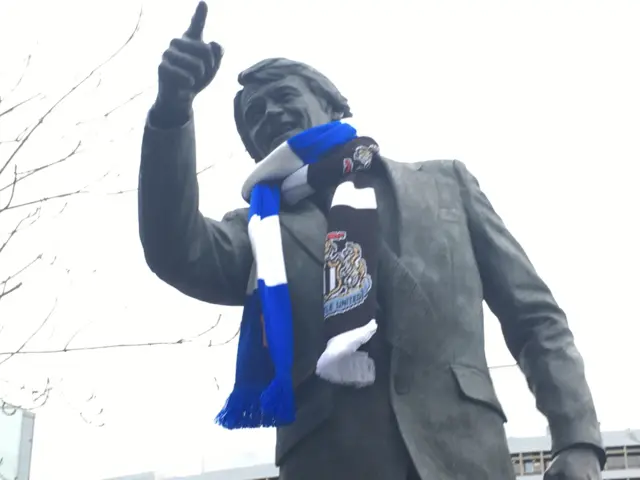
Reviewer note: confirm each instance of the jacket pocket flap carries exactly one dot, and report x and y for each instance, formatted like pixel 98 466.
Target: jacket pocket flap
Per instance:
pixel 476 386
pixel 315 404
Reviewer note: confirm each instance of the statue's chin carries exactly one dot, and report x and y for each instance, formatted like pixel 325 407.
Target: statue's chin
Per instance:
pixel 280 139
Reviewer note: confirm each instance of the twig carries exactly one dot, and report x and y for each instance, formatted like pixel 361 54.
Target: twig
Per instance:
pixel 19 104
pixel 47 199
pixel 131 190
pixel 17 228
pixel 126 102
pixel 210 328
pixel 13 190
pixel 15 274
pixel 5 283
pixel 39 398
pixel 33 334
pixel 6 292
pixel 22 75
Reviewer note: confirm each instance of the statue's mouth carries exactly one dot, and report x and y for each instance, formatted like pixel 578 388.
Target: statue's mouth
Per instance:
pixel 282 133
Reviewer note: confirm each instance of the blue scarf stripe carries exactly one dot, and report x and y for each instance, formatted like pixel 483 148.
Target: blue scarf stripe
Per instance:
pixel 311 144
pixel 263 392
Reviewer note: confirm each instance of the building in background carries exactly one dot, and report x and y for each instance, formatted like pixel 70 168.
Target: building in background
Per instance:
pixel 16 442
pixel 529 455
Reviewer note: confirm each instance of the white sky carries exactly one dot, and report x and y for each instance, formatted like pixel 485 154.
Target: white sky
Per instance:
pixel 540 100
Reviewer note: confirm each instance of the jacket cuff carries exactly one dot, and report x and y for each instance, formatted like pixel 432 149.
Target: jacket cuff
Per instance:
pixel 580 435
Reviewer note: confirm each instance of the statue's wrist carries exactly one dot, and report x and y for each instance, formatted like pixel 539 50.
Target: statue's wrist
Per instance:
pixel 169 114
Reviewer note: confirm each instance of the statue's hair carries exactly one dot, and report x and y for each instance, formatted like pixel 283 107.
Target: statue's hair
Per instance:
pixel 275 69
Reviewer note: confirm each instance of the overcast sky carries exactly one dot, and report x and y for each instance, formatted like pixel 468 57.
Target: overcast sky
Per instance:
pixel 539 99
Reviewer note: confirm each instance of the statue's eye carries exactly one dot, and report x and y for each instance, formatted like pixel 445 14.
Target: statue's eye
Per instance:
pixel 254 112
pixel 285 96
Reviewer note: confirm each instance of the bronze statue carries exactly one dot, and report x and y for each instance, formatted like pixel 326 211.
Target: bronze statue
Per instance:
pixel 431 413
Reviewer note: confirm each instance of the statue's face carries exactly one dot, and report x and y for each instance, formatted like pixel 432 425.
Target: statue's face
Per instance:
pixel 275 112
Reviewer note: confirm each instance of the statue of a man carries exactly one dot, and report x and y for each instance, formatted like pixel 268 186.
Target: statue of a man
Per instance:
pixel 362 282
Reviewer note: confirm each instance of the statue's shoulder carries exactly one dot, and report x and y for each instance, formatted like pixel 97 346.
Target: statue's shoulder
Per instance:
pixel 437 165
pixel 429 166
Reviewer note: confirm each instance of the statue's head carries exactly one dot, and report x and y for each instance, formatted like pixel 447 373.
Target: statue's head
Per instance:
pixel 281 98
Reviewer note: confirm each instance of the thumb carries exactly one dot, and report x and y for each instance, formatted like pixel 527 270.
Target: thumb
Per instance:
pixel 218 51
pixel 194 32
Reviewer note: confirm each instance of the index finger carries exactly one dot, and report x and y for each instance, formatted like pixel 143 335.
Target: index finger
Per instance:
pixel 196 27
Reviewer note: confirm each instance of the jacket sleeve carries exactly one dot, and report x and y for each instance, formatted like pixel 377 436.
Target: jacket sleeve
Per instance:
pixel 203 258
pixel 535 328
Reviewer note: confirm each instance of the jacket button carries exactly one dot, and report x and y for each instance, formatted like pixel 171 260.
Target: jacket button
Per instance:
pixel 401 384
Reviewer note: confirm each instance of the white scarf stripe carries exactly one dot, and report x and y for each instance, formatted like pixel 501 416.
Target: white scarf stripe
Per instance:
pixel 296 187
pixel 266 237
pixel 282 162
pixel 359 198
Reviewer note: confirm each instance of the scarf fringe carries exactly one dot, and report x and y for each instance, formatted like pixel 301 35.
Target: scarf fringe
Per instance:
pixel 241 410
pixel 252 408
pixel 278 403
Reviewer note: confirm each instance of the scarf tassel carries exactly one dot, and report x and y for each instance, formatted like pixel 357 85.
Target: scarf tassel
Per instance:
pixel 252 407
pixel 278 403
pixel 242 409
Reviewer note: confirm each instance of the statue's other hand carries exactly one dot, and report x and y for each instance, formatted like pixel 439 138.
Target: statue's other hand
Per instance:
pixel 188 65
pixel 574 464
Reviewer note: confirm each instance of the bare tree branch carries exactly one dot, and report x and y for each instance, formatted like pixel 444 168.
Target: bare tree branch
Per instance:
pixel 33 334
pixel 18 226
pixel 23 175
pixel 68 93
pixel 20 104
pixel 6 290
pixel 22 270
pixel 14 159
pixel 180 341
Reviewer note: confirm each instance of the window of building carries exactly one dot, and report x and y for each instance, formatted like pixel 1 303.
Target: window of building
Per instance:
pixel 615 461
pixel 532 463
pixel 633 456
pixel 516 460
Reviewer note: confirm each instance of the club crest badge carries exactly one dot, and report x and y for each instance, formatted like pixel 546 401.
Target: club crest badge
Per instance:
pixel 361 159
pixel 346 280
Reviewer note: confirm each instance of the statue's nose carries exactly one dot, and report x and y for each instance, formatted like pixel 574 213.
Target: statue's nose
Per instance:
pixel 274 109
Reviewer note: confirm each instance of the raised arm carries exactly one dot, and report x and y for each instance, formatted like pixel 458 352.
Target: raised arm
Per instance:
pixel 534 326
pixel 203 258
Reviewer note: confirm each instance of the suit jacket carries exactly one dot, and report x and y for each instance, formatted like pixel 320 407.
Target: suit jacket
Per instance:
pixel 455 252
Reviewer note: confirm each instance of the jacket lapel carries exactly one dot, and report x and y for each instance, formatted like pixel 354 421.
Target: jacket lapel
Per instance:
pixel 401 175
pixel 408 306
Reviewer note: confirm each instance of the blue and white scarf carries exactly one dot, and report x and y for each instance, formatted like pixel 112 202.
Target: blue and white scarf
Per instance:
pixel 317 159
